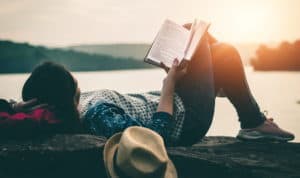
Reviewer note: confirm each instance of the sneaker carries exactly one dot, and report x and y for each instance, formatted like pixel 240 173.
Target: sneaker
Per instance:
pixel 269 130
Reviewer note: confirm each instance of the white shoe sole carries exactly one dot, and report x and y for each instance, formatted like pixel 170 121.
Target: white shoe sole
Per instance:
pixel 255 135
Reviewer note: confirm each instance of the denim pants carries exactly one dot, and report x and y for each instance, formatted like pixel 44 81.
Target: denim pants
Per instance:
pixel 209 70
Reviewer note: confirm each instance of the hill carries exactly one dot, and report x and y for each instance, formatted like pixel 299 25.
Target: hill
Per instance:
pixel 138 51
pixel 22 57
pixel 135 51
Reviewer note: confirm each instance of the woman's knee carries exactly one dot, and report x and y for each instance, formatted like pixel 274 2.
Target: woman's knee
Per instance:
pixel 224 51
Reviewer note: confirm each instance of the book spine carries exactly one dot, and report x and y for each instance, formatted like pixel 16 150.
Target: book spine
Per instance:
pixel 149 61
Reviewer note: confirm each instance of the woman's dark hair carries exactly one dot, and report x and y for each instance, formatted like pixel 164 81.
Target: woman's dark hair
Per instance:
pixel 54 85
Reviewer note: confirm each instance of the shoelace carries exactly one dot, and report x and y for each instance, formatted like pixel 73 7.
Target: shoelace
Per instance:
pixel 265 113
pixel 270 119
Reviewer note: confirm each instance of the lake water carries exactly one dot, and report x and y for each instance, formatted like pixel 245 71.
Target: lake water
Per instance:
pixel 277 92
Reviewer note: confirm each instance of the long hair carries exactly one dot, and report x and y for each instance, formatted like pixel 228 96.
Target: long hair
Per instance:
pixel 54 85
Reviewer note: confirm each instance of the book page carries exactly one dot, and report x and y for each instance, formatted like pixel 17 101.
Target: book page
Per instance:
pixel 170 43
pixel 192 32
pixel 200 28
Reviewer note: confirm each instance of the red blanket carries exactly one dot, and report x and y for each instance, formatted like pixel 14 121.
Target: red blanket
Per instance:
pixel 27 124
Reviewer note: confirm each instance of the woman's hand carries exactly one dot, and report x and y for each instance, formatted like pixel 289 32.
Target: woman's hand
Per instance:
pixel 26 106
pixel 177 71
pixel 187 26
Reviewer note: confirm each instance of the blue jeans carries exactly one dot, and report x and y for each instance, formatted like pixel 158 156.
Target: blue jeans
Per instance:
pixel 214 66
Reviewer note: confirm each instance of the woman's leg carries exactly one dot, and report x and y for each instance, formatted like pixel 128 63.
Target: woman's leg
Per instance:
pixel 230 76
pixel 197 92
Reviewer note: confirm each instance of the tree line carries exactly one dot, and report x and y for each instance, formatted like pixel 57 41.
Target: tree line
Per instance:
pixel 23 57
pixel 284 57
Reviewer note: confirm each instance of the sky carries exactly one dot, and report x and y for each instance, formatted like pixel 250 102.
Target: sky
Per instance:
pixel 73 22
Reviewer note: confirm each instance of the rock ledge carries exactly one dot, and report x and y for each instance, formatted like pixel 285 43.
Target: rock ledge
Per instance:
pixel 81 155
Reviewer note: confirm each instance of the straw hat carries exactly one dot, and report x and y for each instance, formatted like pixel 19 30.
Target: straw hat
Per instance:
pixel 138 152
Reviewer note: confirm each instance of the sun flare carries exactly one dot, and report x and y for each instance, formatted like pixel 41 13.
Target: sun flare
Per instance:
pixel 249 24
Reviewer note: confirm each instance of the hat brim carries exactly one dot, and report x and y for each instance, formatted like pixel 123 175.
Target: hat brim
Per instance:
pixel 110 148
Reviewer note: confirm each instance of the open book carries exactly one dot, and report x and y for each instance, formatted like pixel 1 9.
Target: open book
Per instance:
pixel 174 41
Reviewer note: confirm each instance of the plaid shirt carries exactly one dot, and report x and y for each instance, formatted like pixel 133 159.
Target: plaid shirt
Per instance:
pixel 140 106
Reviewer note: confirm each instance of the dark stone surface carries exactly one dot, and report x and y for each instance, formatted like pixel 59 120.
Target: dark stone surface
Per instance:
pixel 55 156
pixel 81 156
pixel 229 157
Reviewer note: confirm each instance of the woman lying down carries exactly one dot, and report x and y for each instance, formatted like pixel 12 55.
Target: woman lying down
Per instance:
pixel 182 112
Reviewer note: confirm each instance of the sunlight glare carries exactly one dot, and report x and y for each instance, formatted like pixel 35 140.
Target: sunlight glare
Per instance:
pixel 248 24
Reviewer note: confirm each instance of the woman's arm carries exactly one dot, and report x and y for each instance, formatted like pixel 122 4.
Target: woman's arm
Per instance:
pixel 26 106
pixel 105 119
pixel 166 98
pixel 174 74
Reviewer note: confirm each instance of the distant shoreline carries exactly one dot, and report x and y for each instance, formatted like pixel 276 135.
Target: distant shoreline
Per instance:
pixel 19 58
pixel 106 70
pixel 23 57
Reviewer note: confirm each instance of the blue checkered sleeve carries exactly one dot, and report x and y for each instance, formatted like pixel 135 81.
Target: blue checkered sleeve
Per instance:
pixel 105 119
